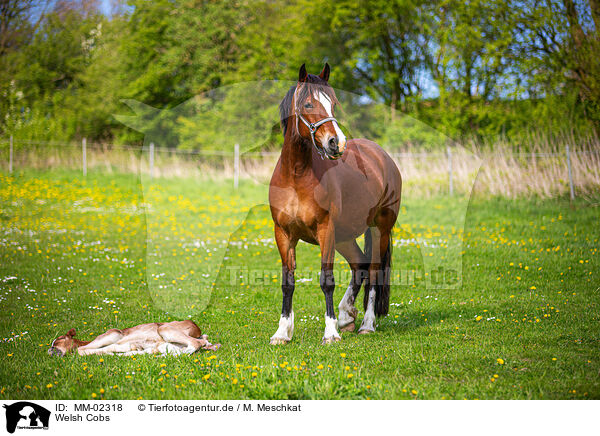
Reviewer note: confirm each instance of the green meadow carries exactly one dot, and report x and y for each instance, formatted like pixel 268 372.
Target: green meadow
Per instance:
pixel 111 252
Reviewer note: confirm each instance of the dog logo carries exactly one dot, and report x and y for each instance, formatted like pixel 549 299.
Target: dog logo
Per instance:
pixel 26 415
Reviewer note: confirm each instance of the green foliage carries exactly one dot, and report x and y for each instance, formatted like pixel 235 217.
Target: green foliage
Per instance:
pixel 482 69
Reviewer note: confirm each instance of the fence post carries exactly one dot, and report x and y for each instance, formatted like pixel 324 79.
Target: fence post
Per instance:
pixel 10 155
pixel 449 153
pixel 571 189
pixel 151 159
pixel 236 165
pixel 84 153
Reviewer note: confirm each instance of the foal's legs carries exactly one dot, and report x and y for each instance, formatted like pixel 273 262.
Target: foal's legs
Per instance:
pixel 287 251
pixel 359 265
pixel 173 334
pixel 112 336
pixel 326 238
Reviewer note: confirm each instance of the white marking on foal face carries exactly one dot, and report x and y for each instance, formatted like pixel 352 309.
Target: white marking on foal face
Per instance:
pixel 322 98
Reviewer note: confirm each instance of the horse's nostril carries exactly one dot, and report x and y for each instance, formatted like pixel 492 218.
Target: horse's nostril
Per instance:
pixel 333 142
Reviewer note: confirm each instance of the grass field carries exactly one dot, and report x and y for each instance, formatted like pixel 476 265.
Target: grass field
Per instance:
pixel 109 252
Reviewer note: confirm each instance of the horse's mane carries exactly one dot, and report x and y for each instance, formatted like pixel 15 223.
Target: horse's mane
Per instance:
pixel 309 86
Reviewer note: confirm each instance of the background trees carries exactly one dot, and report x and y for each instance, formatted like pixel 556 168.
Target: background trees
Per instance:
pixel 483 69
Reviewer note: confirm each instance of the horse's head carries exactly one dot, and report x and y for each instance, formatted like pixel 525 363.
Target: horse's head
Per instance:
pixel 63 344
pixel 313 102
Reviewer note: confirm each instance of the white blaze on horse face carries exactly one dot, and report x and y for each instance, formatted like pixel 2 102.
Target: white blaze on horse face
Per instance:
pixel 326 103
pixel 286 329
pixel 331 332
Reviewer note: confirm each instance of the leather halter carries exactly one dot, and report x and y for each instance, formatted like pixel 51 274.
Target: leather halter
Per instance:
pixel 312 127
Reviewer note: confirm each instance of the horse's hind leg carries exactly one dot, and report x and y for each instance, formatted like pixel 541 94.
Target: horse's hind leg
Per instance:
pixel 287 251
pixel 380 243
pixel 177 335
pixel 359 265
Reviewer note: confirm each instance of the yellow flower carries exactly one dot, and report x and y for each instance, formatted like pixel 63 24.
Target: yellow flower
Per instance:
pixel 101 360
pixel 94 395
pixel 414 392
pixel 206 377
pixel 234 381
pixel 49 385
pixel 478 318
pixel 101 390
pixel 500 361
pixel 343 354
pixel 350 375
pixel 320 366
pixel 254 374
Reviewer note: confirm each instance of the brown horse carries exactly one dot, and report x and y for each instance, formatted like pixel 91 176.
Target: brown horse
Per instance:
pixel 327 191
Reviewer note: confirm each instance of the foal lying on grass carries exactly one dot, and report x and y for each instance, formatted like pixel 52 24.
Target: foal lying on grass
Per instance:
pixel 176 337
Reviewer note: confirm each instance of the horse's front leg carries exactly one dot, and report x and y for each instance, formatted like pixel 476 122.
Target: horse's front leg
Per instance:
pixel 287 251
pixel 326 236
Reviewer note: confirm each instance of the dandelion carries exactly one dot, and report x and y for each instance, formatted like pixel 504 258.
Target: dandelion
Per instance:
pixel 49 385
pixel 254 374
pixel 320 366
pixel 206 377
pixel 350 375
pixel 343 355
pixel 500 361
pixel 414 392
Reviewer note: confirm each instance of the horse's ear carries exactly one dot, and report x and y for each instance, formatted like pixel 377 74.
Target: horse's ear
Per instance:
pixel 71 332
pixel 325 73
pixel 302 74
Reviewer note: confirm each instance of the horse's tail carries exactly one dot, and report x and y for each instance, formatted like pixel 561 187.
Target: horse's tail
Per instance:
pixel 382 282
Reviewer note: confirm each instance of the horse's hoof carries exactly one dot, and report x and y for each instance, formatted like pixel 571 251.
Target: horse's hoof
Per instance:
pixel 365 332
pixel 348 328
pixel 279 341
pixel 331 340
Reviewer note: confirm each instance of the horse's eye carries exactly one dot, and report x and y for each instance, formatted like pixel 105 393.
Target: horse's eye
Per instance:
pixel 308 106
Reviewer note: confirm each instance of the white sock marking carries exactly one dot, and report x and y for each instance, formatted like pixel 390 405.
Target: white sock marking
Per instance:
pixel 330 328
pixel 286 328
pixel 369 319
pixel 346 308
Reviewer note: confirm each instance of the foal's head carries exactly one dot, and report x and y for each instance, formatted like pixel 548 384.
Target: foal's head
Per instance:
pixel 63 344
pixel 312 102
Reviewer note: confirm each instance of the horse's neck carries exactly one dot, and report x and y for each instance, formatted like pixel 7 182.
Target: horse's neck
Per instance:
pixel 296 156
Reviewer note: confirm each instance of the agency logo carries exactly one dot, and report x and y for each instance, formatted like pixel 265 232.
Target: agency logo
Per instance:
pixel 26 415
